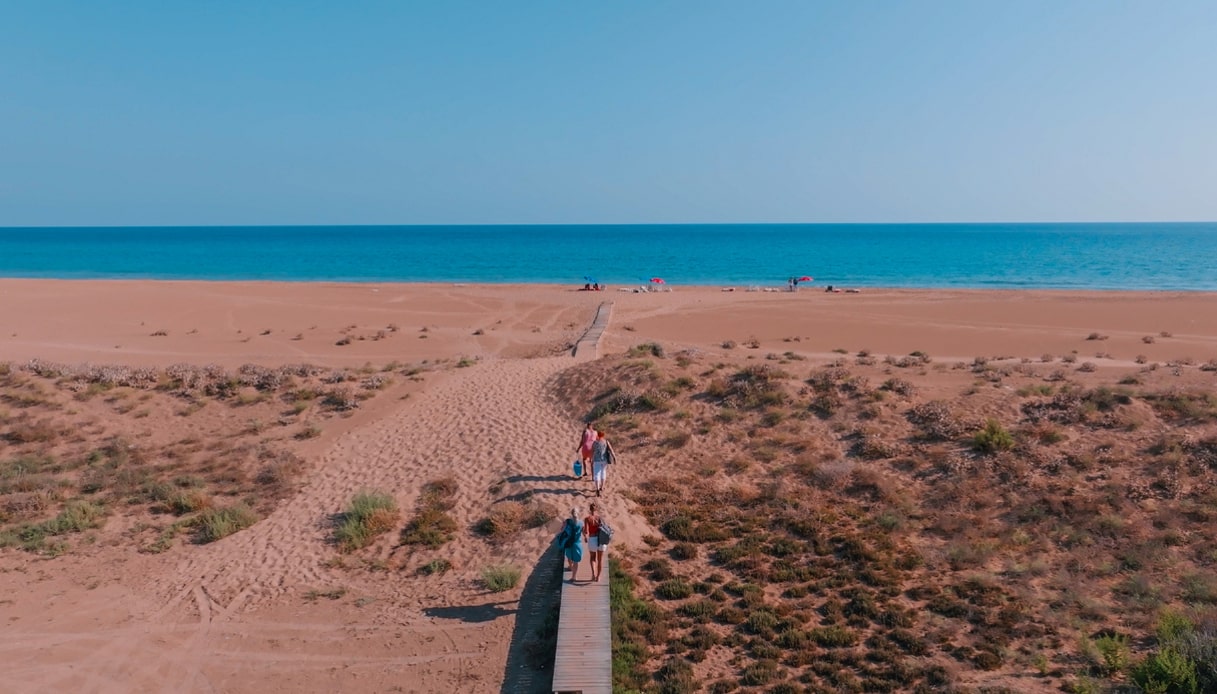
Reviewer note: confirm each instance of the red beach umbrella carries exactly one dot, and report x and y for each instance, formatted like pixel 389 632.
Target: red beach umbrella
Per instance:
pixel 805 278
pixel 657 280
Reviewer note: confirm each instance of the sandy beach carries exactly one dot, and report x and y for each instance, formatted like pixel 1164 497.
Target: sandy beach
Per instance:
pixel 232 323
pixel 473 391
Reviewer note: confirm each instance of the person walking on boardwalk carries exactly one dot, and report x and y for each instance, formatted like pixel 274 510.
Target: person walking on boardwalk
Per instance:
pixel 591 533
pixel 571 542
pixel 602 456
pixel 585 447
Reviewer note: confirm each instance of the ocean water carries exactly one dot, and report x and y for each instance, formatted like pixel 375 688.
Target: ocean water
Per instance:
pixel 984 256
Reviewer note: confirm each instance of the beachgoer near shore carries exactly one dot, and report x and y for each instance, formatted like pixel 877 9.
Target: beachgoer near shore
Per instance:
pixel 585 447
pixel 591 533
pixel 602 455
pixel 571 542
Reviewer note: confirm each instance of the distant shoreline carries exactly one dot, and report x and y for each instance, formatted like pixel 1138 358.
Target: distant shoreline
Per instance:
pixel 771 287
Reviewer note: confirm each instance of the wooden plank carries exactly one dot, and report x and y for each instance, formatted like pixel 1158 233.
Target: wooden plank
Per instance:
pixel 583 662
pixel 589 343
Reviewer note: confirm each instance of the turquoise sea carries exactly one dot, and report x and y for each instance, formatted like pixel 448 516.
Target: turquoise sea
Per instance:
pixel 987 256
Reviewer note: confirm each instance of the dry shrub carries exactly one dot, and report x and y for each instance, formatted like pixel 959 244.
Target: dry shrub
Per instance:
pixel 23 505
pixel 188 501
pixel 439 493
pixel 832 475
pixel 279 470
pixel 24 430
pixel 899 386
pixel 676 439
pixel 869 482
pixel 936 422
pixel 871 447
pixel 508 517
pixel 381 520
pixel 340 399
pixel 753 387
pixel 431 525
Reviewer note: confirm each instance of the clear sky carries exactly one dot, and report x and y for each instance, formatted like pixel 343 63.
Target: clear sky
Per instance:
pixel 413 112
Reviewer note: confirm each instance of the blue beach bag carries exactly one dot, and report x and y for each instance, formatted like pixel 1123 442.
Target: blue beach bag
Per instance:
pixel 578 466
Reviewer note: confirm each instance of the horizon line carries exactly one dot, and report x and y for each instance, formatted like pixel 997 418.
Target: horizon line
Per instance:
pixel 590 224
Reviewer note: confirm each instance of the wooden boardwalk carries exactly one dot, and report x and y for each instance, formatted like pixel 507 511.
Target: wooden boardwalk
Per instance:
pixel 584 661
pixel 588 345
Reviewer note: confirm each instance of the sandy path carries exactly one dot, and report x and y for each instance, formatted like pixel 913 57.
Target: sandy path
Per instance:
pixel 229 616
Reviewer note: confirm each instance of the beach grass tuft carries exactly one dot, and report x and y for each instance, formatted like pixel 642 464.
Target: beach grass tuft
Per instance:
pixel 217 523
pixel 498 578
pixel 431 526
pixel 369 515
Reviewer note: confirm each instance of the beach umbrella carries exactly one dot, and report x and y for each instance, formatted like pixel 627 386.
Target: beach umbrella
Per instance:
pixel 805 278
pixel 590 280
pixel 657 280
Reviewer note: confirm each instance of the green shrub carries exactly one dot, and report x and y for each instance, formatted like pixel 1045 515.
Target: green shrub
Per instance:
pixel 435 566
pixel 675 589
pixel 500 577
pixel 75 517
pixel 430 528
pixel 370 514
pixel 1113 649
pixel 1173 626
pixel 188 501
pixel 218 523
pixel 699 610
pixel 1166 672
pixel 834 637
pixel 993 438
pixel 676 677
pixel 760 672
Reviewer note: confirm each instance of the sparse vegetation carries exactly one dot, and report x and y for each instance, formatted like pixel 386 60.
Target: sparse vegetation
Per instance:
pixel 369 515
pixel 507 518
pixel 993 438
pixel 431 525
pixel 217 523
pixel 842 540
pixel 435 567
pixel 63 462
pixel 500 577
pixel 652 349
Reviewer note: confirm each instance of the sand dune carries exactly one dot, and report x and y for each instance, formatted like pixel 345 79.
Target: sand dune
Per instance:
pixel 251 614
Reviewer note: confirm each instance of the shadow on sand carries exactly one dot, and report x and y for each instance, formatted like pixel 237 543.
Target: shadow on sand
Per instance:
pixel 472 614
pixel 541 478
pixel 530 657
pixel 553 491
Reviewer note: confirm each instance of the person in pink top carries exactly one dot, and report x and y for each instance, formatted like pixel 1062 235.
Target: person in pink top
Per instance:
pixel 585 448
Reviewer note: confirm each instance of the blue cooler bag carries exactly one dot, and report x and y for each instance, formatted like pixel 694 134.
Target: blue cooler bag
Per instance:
pixel 578 468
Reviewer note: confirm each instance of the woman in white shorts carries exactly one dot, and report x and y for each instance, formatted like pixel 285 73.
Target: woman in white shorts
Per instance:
pixel 602 453
pixel 591 532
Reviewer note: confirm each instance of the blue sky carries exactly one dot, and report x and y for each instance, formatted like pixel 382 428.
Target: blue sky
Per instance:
pixel 606 112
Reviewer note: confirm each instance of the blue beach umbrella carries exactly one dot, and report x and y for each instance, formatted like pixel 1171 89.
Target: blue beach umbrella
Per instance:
pixel 590 280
